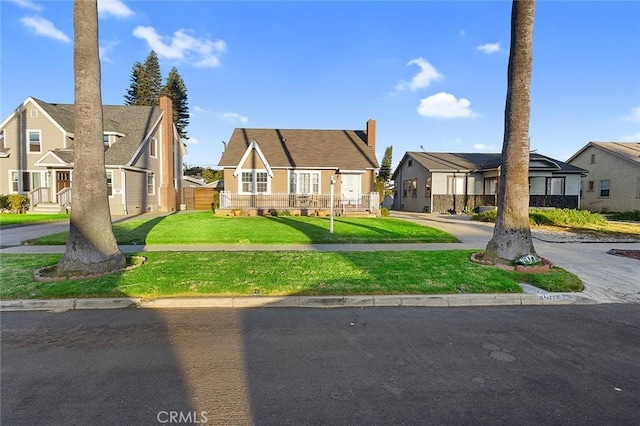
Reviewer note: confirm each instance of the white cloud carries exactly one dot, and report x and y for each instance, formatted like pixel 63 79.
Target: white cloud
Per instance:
pixel 484 148
pixel 635 115
pixel 489 48
pixel 427 74
pixel 201 110
pixel 106 48
pixel 183 47
pixel 43 27
pixel 191 141
pixel 234 116
pixel 28 4
pixel 114 7
pixel 633 138
pixel 445 105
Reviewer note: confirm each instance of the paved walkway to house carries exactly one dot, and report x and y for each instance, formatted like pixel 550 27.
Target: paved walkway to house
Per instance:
pixel 607 278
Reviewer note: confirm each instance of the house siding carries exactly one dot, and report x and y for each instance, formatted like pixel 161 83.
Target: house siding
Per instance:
pixel 623 176
pixel 15 139
pixel 138 201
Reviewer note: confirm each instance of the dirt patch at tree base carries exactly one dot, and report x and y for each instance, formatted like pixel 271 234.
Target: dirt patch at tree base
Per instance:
pixel 48 273
pixel 632 254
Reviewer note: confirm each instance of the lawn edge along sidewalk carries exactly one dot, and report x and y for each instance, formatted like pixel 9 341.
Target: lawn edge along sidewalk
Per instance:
pixel 445 300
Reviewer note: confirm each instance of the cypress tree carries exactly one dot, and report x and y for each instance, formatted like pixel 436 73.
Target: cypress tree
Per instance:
pixel 152 82
pixel 177 91
pixel 385 168
pixel 132 96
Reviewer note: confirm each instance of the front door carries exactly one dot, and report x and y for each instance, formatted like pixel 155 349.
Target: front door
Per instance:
pixel 63 180
pixel 351 189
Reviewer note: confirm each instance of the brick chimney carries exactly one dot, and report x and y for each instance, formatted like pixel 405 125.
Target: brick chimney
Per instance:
pixel 371 133
pixel 167 194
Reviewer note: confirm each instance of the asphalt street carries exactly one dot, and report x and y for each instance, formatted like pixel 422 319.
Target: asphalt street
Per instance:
pixel 569 365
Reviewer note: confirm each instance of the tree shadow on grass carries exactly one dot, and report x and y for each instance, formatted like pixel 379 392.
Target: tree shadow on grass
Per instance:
pixel 320 234
pixel 137 235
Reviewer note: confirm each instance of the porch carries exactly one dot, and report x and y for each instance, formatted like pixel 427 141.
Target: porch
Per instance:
pixel 41 201
pixel 302 204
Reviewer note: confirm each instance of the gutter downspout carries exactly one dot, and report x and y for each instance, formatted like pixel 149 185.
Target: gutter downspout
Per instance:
pixel 123 174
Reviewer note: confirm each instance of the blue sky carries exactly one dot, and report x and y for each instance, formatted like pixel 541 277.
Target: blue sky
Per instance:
pixel 432 74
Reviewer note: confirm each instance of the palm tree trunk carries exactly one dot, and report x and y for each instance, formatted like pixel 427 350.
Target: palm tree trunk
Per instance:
pixel 512 233
pixel 91 247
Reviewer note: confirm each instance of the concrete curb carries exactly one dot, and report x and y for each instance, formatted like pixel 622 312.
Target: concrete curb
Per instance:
pixel 451 300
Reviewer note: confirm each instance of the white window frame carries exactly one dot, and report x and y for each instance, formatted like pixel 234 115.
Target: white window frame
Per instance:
pixel 151 184
pixel 606 187
pixel 153 147
pixel 549 185
pixel 39 132
pixel 3 143
pixel 491 186
pixel 109 174
pixel 453 182
pixel 14 181
pixel 315 180
pixel 33 113
pixel 254 181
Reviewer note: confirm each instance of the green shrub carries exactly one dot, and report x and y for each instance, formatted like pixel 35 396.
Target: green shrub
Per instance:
pixel 18 203
pixel 486 216
pixel 384 212
pixel 554 217
pixel 630 215
pixel 4 202
pixel 566 217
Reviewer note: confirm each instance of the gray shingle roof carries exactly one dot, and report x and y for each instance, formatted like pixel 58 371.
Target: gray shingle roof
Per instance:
pixel 478 162
pixel 291 148
pixel 135 122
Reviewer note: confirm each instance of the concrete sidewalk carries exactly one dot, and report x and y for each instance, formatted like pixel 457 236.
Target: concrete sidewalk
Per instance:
pixel 607 278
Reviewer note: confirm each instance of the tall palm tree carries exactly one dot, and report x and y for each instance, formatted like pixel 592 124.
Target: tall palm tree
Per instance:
pixel 512 233
pixel 91 247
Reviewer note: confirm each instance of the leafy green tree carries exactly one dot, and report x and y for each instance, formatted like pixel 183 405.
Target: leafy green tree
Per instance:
pixel 512 233
pixel 177 91
pixel 91 246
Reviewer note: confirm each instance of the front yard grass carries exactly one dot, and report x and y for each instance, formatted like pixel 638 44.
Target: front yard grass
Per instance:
pixel 15 218
pixel 205 228
pixel 281 273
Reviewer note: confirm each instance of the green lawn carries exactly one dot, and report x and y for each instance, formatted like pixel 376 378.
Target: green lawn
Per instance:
pixel 281 273
pixel 205 228
pixel 14 218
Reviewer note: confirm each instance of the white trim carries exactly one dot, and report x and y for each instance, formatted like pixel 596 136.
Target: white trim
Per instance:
pixel 59 162
pixel 23 106
pixel 254 173
pixel 106 172
pixel 253 145
pixel 300 171
pixel 28 140
pixel 146 139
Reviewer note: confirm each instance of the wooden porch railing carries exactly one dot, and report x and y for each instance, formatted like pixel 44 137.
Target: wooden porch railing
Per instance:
pixel 39 195
pixel 42 195
pixel 366 202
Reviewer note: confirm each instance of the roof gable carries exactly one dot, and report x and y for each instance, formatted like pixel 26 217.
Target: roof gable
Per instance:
pixel 629 151
pixel 253 146
pixel 296 148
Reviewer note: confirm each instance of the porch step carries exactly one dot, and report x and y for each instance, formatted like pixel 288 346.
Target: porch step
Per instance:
pixel 47 208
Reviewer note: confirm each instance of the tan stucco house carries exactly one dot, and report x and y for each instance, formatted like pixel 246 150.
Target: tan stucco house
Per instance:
pixel 612 183
pixel 439 182
pixel 293 169
pixel 143 156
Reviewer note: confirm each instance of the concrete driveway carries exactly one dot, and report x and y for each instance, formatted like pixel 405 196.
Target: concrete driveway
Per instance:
pixel 607 278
